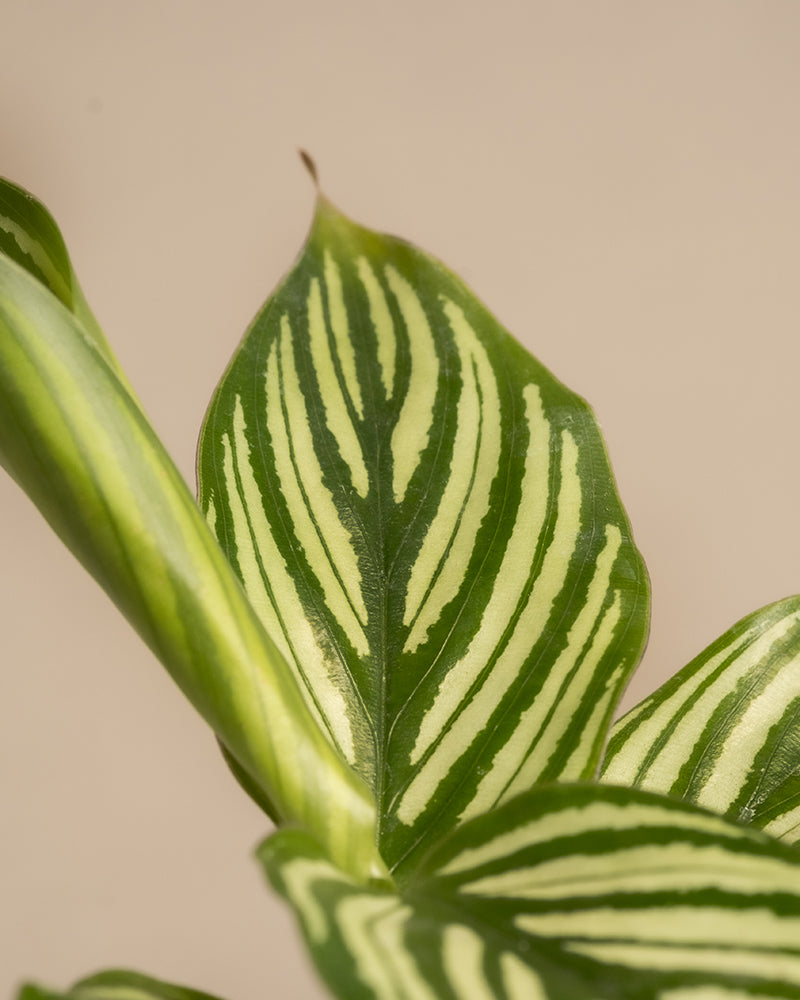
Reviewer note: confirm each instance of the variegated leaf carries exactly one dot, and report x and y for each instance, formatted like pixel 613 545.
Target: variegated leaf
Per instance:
pixel 115 985
pixel 76 440
pixel 725 731
pixel 30 237
pixel 579 892
pixel 425 520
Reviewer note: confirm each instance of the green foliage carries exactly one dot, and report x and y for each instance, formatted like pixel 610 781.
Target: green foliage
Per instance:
pixel 76 440
pixel 426 520
pixel 116 985
pixel 410 564
pixel 724 732
pixel 565 891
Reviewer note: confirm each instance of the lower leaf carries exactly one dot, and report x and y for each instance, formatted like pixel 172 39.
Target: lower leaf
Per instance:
pixel 115 985
pixel 566 891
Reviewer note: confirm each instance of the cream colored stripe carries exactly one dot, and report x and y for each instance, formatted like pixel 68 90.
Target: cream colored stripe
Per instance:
pixel 460 724
pixel 511 581
pixel 300 877
pixel 438 570
pixel 520 761
pixel 249 569
pixel 769 965
pixel 444 524
pixel 569 703
pixel 662 771
pixel 707 992
pixel 308 495
pixel 372 927
pixel 412 430
pixel 519 980
pixel 327 543
pixel 336 414
pixel 562 694
pixel 341 333
pixel 623 768
pixel 36 251
pixel 634 713
pixel 280 611
pixel 106 992
pixel 735 760
pixel 678 867
pixel 383 324
pixel 463 954
pixel 357 917
pixel 675 925
pixel 210 513
pixel 786 826
pixel 580 820
pixel 602 707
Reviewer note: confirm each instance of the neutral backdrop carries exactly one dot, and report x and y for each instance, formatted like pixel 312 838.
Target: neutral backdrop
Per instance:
pixel 620 182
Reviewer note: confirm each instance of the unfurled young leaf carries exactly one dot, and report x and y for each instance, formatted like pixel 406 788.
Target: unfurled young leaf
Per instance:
pixel 30 237
pixel 725 731
pixel 425 520
pixel 76 440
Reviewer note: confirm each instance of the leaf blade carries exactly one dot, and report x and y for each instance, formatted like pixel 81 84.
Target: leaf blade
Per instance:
pixel 115 984
pixel 31 238
pixel 396 453
pixel 567 890
pixel 725 731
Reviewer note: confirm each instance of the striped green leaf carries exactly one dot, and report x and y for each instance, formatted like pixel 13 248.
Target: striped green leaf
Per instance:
pixel 115 985
pixel 78 443
pixel 30 237
pixel 425 520
pixel 725 731
pixel 579 892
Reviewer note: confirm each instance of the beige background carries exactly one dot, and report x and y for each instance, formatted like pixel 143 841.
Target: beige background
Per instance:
pixel 620 182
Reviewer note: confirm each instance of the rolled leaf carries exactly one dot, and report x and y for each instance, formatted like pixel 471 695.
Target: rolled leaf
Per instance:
pixel 725 731
pixel 425 520
pixel 115 985
pixel 30 237
pixel 78 443
pixel 579 892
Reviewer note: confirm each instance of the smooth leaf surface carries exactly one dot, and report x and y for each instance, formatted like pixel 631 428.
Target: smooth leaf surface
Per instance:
pixel 425 520
pixel 115 984
pixel 725 731
pixel 579 892
pixel 78 443
pixel 30 237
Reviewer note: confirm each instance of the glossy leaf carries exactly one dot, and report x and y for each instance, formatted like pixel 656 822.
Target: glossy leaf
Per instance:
pixel 30 237
pixel 115 985
pixel 725 731
pixel 425 520
pixel 579 892
pixel 75 439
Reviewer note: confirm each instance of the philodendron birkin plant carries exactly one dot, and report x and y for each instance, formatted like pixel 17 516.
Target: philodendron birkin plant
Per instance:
pixel 407 603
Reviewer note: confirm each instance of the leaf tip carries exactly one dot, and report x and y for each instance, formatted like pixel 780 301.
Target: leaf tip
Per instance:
pixel 310 166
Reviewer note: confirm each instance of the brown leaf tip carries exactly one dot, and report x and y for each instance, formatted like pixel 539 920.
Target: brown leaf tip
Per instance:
pixel 310 166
